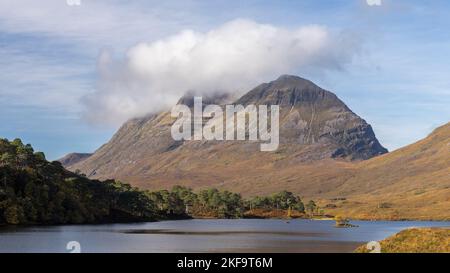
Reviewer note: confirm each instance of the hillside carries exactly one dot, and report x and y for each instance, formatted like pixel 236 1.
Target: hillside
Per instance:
pixel 411 182
pixel 415 240
pixel 35 191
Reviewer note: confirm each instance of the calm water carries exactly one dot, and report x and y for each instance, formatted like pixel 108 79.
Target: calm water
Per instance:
pixel 243 235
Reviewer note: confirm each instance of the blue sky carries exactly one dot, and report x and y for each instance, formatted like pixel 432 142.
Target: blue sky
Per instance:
pixel 398 80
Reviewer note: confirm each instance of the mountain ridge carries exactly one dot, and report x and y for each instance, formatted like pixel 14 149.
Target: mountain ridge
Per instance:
pixel 73 158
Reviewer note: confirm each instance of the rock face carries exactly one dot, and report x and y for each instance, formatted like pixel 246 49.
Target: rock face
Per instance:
pixel 315 125
pixel 312 115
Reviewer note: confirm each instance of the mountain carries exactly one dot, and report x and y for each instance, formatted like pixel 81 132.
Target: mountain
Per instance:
pixel 315 127
pixel 73 158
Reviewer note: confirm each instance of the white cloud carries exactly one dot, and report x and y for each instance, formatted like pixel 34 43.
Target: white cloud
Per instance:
pixel 233 57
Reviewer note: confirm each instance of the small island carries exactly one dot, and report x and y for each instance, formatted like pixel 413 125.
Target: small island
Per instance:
pixel 342 222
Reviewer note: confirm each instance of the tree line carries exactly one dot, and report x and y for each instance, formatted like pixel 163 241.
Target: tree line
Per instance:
pixel 36 191
pixel 224 204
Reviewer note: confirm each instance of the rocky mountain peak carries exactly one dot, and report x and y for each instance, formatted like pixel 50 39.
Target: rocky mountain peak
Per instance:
pixel 290 90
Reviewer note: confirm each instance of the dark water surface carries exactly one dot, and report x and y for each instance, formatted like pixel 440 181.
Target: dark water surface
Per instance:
pixel 241 235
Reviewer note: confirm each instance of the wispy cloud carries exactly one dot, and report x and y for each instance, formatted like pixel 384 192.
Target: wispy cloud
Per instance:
pixel 34 80
pixel 94 24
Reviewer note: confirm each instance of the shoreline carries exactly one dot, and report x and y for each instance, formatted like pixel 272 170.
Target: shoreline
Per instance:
pixel 215 218
pixel 262 214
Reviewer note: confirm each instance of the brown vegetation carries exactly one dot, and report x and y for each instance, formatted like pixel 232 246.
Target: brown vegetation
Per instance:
pixel 415 240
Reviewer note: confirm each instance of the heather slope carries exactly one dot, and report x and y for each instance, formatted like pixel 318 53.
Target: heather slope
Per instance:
pixel 415 240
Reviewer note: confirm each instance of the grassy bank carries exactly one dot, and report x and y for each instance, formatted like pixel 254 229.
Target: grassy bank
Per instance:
pixel 415 240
